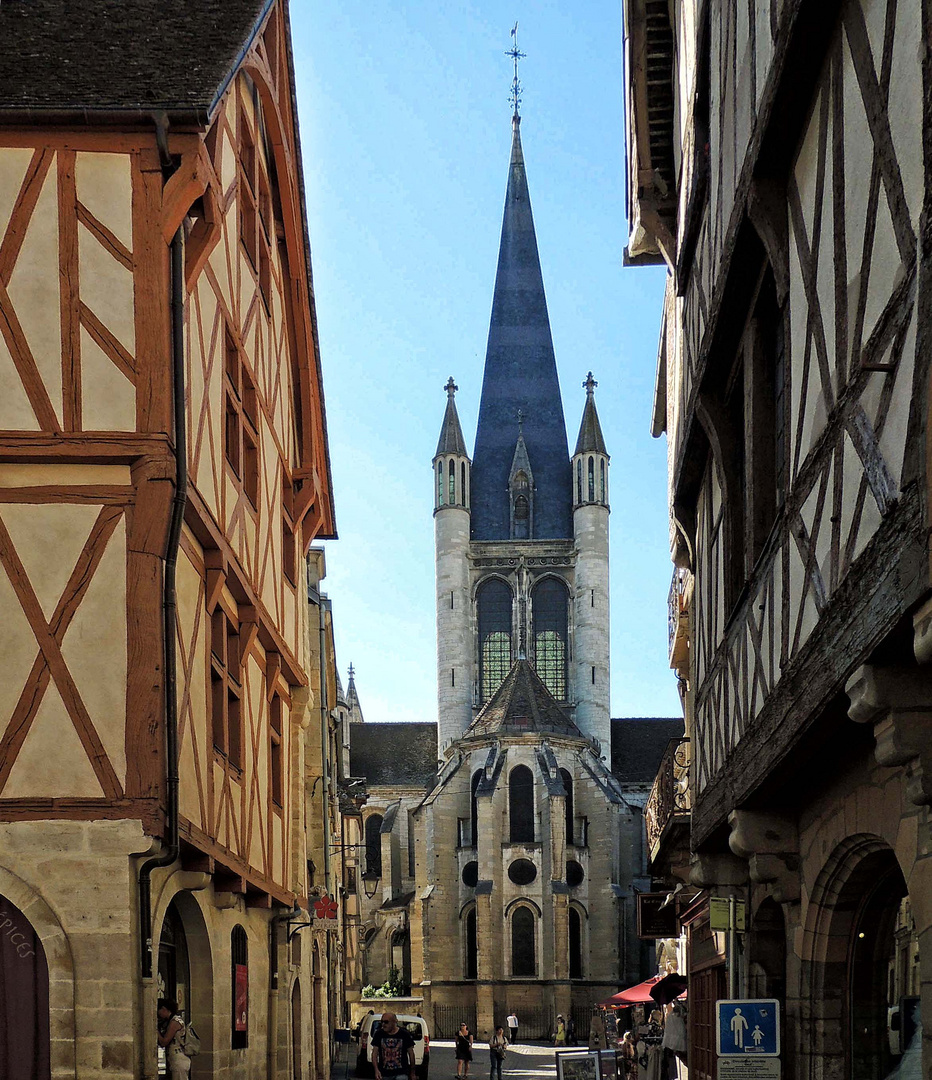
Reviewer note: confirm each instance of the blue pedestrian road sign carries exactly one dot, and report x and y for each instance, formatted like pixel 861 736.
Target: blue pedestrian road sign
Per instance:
pixel 748 1027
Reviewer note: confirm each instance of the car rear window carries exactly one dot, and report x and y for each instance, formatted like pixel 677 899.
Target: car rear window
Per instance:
pixel 411 1026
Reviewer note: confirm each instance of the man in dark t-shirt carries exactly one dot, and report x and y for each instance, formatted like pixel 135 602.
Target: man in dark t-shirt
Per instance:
pixel 393 1050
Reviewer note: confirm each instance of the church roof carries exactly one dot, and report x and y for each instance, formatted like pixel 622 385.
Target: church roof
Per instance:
pixel 520 375
pixel 638 744
pixel 122 54
pixel 451 434
pixel 522 703
pixel 394 755
pixel 590 430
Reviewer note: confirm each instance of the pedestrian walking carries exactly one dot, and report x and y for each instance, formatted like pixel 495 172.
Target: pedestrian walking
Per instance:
pixel 171 1036
pixel 512 1022
pixel 497 1046
pixel 570 1032
pixel 463 1050
pixel 393 1056
pixel 559 1034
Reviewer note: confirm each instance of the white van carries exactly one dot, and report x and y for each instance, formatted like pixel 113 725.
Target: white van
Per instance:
pixel 416 1025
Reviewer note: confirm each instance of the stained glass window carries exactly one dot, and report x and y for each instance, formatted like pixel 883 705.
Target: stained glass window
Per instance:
pixel 550 631
pixel 494 604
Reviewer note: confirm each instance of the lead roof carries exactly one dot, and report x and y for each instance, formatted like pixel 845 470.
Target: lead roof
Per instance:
pixel 520 375
pixel 522 703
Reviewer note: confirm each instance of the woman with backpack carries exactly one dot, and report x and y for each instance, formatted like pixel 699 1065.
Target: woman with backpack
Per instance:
pixel 497 1047
pixel 172 1034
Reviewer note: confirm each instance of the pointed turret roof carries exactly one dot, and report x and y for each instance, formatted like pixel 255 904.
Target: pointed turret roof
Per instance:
pixel 520 375
pixel 451 434
pixel 590 430
pixel 521 462
pixel 352 698
pixel 522 703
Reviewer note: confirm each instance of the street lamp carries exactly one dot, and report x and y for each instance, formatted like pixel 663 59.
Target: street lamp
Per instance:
pixel 370 883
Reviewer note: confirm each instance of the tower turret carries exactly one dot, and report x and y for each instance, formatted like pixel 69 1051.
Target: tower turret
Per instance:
pixel 451 545
pixel 590 525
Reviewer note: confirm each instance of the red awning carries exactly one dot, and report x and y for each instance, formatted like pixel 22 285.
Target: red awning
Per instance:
pixel 634 995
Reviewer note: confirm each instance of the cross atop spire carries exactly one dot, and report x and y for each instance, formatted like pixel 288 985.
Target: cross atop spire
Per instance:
pixel 451 387
pixel 516 55
pixel 590 384
pixel 520 421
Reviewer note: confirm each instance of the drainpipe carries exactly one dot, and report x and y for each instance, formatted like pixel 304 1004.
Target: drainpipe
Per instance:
pixel 169 593
pixel 325 605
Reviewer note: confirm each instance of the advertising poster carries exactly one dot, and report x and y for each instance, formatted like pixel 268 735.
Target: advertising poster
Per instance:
pixel 240 997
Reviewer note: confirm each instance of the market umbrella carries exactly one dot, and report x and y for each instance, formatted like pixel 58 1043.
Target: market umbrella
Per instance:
pixel 669 988
pixel 634 995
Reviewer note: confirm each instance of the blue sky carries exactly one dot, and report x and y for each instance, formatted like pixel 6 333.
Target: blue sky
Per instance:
pixel 406 132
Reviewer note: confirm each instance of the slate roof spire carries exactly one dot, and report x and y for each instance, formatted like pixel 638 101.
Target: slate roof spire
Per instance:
pixel 451 434
pixel 352 698
pixel 590 440
pixel 520 373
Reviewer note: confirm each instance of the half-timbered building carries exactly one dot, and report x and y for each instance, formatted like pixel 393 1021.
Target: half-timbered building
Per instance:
pixel 163 470
pixel 778 164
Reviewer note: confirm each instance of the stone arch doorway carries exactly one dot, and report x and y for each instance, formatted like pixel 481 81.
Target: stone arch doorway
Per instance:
pixel 25 1035
pixel 186 970
pixel 852 929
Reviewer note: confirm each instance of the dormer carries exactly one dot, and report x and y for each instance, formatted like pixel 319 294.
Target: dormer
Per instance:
pixel 521 492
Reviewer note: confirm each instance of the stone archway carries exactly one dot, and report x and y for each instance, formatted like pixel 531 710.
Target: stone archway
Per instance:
pixel 849 938
pixel 18 901
pixel 180 905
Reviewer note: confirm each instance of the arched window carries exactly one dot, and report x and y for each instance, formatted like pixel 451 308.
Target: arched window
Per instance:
pixel 579 481
pixel 451 469
pixel 520 506
pixel 568 788
pixel 523 958
pixel 576 971
pixel 463 484
pixel 440 483
pixel 550 633
pixel 521 805
pixel 474 809
pixel 470 946
pixel 602 478
pixel 494 603
pixel 591 480
pixel 374 845
pixel 239 959
pixel 522 518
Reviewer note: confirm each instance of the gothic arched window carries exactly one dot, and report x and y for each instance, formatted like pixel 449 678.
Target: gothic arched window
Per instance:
pixel 470 946
pixel 521 805
pixel 568 788
pixel 451 469
pixel 239 958
pixel 549 607
pixel 579 482
pixel 494 616
pixel 523 934
pixel 522 517
pixel 591 480
pixel 440 483
pixel 374 845
pixel 463 484
pixel 576 967
pixel 602 479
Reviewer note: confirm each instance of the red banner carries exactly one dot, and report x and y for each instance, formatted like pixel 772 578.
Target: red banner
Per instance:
pixel 241 997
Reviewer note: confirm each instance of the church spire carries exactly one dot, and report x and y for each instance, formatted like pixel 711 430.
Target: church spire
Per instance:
pixel 590 430
pixel 451 434
pixel 520 374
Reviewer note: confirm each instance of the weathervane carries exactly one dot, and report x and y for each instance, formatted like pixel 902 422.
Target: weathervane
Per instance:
pixel 516 55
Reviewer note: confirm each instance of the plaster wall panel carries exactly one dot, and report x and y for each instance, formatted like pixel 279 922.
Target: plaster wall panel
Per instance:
pixel 94 649
pixel 104 186
pixel 108 398
pixel 107 288
pixel 34 290
pixel 14 163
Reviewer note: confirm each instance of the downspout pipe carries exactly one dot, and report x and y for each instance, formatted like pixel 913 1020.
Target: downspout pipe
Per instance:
pixel 169 591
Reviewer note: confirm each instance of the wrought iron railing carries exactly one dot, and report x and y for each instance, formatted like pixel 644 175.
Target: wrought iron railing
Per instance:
pixel 676 609
pixel 670 795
